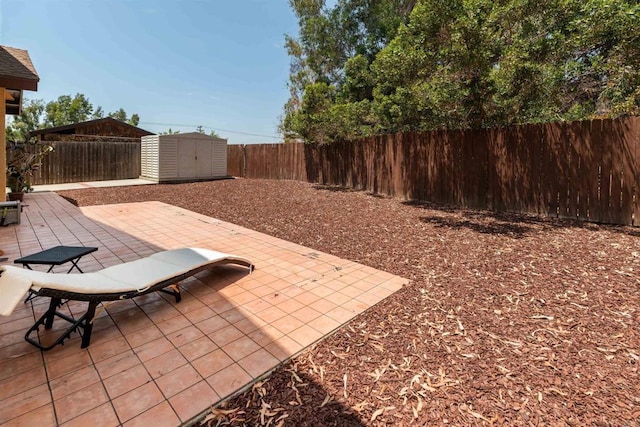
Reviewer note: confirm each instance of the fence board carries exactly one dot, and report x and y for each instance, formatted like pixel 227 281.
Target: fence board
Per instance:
pixel 76 161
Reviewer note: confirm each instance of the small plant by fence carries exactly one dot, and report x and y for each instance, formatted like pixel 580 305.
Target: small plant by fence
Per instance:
pixel 585 170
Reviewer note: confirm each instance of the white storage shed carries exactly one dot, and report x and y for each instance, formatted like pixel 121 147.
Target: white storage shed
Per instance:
pixel 183 157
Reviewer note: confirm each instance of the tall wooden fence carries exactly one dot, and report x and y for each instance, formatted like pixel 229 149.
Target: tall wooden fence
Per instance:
pixel 586 170
pixel 78 161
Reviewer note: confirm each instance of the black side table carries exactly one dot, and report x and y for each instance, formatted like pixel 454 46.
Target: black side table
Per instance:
pixel 57 256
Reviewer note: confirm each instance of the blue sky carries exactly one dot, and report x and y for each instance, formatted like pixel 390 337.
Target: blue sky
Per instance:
pixel 177 63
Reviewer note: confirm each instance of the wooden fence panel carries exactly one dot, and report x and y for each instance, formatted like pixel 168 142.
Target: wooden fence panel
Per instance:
pixel 625 134
pixel 77 161
pixel 474 170
pixel 235 161
pixel 632 136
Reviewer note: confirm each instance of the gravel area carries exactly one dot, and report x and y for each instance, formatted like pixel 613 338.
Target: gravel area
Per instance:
pixel 508 319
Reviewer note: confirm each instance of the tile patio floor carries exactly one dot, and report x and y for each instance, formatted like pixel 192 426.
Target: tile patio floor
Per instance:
pixel 152 361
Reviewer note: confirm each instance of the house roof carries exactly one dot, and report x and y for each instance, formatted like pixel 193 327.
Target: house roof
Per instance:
pixel 59 129
pixel 16 69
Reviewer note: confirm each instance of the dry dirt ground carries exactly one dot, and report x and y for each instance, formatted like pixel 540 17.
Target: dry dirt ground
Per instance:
pixel 508 319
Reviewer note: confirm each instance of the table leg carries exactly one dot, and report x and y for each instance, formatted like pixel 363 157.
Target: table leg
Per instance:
pixel 75 265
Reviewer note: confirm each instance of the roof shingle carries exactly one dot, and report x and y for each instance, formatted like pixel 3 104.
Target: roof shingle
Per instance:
pixel 16 69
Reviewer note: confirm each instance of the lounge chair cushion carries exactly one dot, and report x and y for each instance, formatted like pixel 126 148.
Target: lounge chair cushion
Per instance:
pixel 137 276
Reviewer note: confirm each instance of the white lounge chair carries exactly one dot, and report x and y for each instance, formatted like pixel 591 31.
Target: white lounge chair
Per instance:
pixel 123 281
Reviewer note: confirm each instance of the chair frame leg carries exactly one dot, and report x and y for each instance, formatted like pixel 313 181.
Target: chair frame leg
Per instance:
pixel 84 325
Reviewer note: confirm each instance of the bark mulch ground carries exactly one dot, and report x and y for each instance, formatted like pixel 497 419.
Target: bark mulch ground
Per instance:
pixel 508 319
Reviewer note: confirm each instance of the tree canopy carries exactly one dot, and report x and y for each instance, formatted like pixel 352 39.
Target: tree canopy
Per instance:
pixel 365 67
pixel 65 110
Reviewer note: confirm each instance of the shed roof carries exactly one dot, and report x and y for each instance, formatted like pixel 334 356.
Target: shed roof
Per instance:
pixel 17 70
pixel 195 135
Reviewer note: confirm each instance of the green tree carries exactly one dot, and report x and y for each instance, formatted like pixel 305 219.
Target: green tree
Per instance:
pixel 121 115
pixel 200 129
pixel 98 113
pixel 170 132
pixel 30 119
pixel 328 38
pixel 66 110
pixel 361 68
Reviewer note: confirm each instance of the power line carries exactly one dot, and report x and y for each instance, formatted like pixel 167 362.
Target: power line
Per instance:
pixel 211 128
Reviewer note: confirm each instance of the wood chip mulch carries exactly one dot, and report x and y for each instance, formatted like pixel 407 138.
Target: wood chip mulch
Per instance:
pixel 508 319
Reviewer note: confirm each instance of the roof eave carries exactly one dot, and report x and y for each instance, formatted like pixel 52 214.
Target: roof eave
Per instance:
pixel 18 83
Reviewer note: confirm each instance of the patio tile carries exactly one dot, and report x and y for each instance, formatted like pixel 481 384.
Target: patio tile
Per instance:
pixel 75 361
pixel 306 314
pixel 131 320
pixel 256 364
pixel 249 324
pixel 355 306
pixel 178 380
pixel 200 314
pixel 153 349
pixel 165 363
pixel 283 348
pixel 127 380
pixel 272 314
pixel 340 314
pixel 144 336
pixel 72 381
pixel 80 401
pixel 229 380
pixel 117 364
pixel 105 349
pixel 234 316
pixel 287 324
pixel 102 416
pixel 173 324
pixel 306 298
pixel 212 324
pixel 137 401
pixel 42 416
pixel 289 305
pixel 185 335
pixel 197 348
pixel 230 327
pixel 22 382
pixel 211 363
pixel 225 335
pixel 265 335
pixel 324 324
pixel 193 400
pixel 161 415
pixel 241 347
pixel 22 403
pixel 305 335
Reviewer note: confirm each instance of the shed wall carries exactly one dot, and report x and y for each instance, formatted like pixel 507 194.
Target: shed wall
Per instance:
pixel 184 157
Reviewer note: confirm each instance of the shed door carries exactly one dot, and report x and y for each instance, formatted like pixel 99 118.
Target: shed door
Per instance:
pixel 195 158
pixel 204 157
pixel 186 158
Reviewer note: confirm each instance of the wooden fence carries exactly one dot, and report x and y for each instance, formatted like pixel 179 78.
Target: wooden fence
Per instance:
pixel 586 170
pixel 78 161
